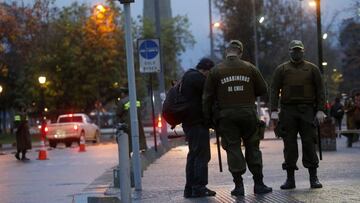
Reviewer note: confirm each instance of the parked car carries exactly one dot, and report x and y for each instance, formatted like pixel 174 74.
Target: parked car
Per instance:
pixel 70 127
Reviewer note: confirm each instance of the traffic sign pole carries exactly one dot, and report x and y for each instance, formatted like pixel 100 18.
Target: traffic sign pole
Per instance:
pixel 161 96
pixel 132 98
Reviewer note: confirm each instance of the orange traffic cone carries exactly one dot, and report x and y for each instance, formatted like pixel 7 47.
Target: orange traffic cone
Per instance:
pixel 42 151
pixel 82 144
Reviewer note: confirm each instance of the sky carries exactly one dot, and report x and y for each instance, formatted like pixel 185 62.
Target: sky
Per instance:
pixel 198 15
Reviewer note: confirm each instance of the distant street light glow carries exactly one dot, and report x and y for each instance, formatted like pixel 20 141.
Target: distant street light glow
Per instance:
pixel 325 35
pixel 262 19
pixel 217 24
pixel 42 79
pixel 334 70
pixel 324 63
pixel 1 89
pixel 312 4
pixel 100 8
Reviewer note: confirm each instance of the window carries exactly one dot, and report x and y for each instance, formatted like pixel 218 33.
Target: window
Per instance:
pixel 69 119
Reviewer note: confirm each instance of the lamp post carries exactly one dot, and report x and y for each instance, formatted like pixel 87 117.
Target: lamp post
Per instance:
pixel 42 81
pixel 161 77
pixel 132 97
pixel 2 119
pixel 256 49
pixel 212 55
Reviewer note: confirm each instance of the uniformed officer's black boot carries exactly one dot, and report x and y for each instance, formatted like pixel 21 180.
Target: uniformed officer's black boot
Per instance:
pixel 314 181
pixel 290 181
pixel 239 185
pixel 260 187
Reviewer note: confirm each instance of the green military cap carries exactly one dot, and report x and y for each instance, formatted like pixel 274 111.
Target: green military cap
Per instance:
pixel 236 44
pixel 296 44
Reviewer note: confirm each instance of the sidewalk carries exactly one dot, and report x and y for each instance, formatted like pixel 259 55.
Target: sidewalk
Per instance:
pixel 164 180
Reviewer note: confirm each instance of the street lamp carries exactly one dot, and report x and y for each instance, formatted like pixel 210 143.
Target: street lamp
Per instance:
pixel 42 81
pixel 212 55
pixel 325 35
pixel 217 25
pixel 312 4
pixel 256 48
pixel 261 20
pixel 1 89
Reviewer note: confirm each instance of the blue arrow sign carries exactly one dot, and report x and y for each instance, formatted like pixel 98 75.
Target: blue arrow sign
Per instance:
pixel 149 49
pixel 149 55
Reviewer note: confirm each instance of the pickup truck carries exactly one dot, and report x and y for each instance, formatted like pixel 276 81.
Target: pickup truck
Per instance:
pixel 70 127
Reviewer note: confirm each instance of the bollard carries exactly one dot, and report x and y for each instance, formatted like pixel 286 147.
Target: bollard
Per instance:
pixel 124 163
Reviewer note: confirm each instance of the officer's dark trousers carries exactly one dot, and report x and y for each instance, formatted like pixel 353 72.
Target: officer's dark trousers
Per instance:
pixel 198 156
pixel 236 125
pixel 296 119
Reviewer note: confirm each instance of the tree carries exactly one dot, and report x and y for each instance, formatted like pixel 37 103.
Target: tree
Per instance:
pixel 238 22
pixel 175 38
pixel 349 40
pixel 284 21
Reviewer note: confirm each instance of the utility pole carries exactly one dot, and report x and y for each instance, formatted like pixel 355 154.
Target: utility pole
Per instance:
pixel 301 20
pixel 161 92
pixel 132 95
pixel 256 51
pixel 319 37
pixel 212 55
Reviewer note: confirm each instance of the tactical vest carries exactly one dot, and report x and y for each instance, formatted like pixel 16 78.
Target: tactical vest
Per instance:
pixel 127 105
pixel 235 84
pixel 298 83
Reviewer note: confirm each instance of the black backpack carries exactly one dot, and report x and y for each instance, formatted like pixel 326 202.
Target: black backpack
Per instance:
pixel 175 105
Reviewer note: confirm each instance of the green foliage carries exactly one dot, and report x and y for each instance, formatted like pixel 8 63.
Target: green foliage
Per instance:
pixel 175 38
pixel 349 40
pixel 79 51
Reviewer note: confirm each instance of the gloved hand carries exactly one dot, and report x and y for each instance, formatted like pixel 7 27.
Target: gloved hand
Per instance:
pixel 320 116
pixel 274 115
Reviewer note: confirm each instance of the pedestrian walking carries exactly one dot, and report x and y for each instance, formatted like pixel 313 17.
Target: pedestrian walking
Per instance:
pixel 302 99
pixel 337 112
pixel 197 133
pixel 23 139
pixel 233 86
pixel 123 115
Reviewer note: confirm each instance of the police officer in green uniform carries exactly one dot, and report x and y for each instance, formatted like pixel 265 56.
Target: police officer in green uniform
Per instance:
pixel 233 86
pixel 124 117
pixel 302 99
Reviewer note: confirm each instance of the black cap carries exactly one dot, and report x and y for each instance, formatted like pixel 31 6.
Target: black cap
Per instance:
pixel 124 90
pixel 205 64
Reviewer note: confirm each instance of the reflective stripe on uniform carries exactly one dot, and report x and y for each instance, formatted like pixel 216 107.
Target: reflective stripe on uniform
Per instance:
pixel 127 105
pixel 17 118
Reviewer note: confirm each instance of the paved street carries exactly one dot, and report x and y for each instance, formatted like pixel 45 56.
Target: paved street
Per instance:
pixel 66 172
pixel 339 172
pixel 55 180
pixel 72 176
pixel 164 180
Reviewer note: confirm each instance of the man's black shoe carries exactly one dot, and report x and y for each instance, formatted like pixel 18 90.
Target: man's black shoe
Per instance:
pixel 202 192
pixel 289 184
pixel 315 183
pixel 17 156
pixel 238 191
pixel 25 159
pixel 262 189
pixel 187 193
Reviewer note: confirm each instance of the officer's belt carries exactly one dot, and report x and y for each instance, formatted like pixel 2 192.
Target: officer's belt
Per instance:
pixel 230 106
pixel 296 104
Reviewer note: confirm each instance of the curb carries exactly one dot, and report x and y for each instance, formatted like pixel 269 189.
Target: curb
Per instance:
pixel 97 192
pixel 7 146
